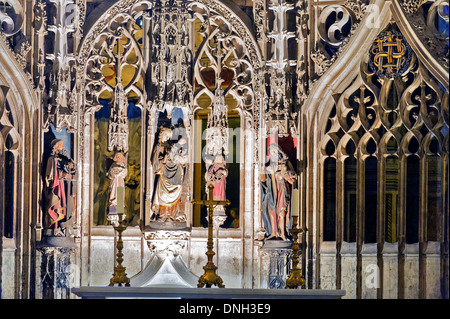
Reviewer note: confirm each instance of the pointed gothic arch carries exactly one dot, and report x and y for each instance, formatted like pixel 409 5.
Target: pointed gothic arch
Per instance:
pixel 19 127
pixel 348 112
pixel 247 52
pixel 122 14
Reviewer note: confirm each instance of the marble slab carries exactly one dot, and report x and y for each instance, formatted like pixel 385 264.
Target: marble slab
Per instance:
pixel 203 293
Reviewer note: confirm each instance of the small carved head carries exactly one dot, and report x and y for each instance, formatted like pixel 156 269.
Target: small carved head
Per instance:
pixel 57 146
pixel 119 157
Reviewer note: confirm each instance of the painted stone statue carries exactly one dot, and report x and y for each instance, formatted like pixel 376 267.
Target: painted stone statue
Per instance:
pixel 60 168
pixel 169 162
pixel 117 174
pixel 276 184
pixel 217 176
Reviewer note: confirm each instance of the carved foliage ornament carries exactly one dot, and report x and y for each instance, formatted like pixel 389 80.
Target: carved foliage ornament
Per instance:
pixel 430 22
pixel 235 59
pixel 336 25
pixel 171 58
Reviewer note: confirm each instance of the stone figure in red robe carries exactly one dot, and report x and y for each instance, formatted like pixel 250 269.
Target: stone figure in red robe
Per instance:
pixel 217 176
pixel 60 167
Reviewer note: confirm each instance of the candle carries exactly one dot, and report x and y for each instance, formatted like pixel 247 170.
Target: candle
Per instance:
pixel 120 199
pixel 70 206
pixel 295 202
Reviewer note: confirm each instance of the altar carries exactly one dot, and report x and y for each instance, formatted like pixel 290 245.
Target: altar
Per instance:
pixel 98 292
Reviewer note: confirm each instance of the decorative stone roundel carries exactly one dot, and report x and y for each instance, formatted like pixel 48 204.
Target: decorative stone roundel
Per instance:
pixel 11 16
pixel 390 55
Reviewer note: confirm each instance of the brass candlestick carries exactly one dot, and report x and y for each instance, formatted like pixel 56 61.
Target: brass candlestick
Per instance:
pixel 295 278
pixel 119 276
pixel 210 277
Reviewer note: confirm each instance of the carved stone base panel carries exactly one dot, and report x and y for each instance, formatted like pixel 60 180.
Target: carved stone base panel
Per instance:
pixel 327 265
pixel 166 266
pixel 169 243
pixel 390 271
pixel 56 241
pixel 165 271
pixel 411 271
pixel 7 258
pixel 279 263
pixel 328 271
pixel 433 279
pixel 58 273
pixel 370 280
pixel 349 269
pixel 433 271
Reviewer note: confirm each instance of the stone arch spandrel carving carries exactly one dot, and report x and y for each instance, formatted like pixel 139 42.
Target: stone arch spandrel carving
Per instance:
pixel 415 32
pixel 395 118
pixel 224 8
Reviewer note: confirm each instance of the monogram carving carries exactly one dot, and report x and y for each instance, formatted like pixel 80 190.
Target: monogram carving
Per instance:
pixel 335 24
pixel 390 55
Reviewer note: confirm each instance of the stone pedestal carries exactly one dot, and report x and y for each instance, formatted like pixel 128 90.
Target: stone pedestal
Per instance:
pixel 279 253
pixel 58 271
pixel 166 267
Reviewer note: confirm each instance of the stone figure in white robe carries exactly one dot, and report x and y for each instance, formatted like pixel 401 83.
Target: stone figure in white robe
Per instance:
pixel 169 162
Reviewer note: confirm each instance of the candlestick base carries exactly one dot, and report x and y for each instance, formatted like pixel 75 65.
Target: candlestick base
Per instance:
pixel 295 279
pixel 119 275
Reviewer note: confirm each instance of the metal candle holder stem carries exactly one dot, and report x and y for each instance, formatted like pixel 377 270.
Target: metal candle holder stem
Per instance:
pixel 210 277
pixel 119 276
pixel 295 279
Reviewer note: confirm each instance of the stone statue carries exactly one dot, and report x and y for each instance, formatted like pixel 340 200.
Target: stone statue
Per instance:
pixel 60 167
pixel 217 176
pixel 169 162
pixel 116 173
pixel 276 184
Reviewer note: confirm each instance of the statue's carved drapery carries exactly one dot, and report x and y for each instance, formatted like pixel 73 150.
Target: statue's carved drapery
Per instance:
pixel 59 202
pixel 277 182
pixel 169 161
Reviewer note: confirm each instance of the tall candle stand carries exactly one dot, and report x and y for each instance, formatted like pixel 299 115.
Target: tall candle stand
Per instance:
pixel 295 279
pixel 210 277
pixel 119 276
